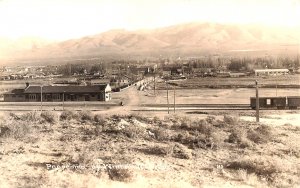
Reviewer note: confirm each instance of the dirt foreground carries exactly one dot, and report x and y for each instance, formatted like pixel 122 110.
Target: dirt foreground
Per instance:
pixel 82 149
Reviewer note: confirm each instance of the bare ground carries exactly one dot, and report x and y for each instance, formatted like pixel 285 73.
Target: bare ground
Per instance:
pixel 83 149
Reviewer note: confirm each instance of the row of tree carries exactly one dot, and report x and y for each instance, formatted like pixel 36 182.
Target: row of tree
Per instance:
pixel 247 64
pixel 232 64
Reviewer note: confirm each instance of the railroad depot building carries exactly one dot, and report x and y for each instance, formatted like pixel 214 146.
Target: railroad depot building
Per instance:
pixel 59 93
pixel 267 72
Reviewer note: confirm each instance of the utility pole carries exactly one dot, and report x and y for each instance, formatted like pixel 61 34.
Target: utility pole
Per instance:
pixel 257 102
pixel 41 98
pixel 174 99
pixel 168 97
pixel 276 85
pixel 154 85
pixel 63 100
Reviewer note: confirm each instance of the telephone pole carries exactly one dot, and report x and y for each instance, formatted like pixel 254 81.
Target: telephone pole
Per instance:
pixel 174 99
pixel 257 101
pixel 63 100
pixel 41 98
pixel 168 97
pixel 154 85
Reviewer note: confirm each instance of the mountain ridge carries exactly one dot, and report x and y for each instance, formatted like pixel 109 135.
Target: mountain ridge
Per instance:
pixel 182 39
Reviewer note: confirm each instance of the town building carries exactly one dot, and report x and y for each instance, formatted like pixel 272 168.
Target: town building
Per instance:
pixel 59 93
pixel 267 72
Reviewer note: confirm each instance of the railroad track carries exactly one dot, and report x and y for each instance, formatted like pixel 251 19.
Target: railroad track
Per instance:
pixel 188 107
pixel 200 105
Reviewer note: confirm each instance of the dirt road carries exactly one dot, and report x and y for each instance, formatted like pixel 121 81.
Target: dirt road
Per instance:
pixel 130 98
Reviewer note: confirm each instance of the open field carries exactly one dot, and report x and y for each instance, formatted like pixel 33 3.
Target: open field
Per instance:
pixel 285 81
pixel 212 96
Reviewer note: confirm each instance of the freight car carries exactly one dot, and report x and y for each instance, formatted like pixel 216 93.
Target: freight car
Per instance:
pixel 292 102
pixel 269 102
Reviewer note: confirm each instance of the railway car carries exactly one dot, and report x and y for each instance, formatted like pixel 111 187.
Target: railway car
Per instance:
pixel 293 102
pixel 269 102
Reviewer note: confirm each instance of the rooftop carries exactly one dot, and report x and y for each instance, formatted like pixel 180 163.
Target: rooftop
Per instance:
pixel 271 70
pixel 65 89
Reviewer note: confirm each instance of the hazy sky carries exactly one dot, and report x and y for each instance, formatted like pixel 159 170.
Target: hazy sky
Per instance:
pixel 64 19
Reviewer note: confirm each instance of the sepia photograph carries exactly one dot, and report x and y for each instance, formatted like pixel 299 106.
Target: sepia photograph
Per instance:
pixel 149 93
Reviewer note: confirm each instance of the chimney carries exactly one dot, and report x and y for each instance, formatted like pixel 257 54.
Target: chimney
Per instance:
pixel 27 84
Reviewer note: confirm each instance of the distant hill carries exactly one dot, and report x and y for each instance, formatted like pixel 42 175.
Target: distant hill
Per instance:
pixel 17 47
pixel 177 40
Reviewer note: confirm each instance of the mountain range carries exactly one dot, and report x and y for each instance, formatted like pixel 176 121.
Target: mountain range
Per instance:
pixel 189 39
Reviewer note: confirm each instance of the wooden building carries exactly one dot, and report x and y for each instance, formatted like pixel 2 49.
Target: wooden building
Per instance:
pixel 273 72
pixel 59 93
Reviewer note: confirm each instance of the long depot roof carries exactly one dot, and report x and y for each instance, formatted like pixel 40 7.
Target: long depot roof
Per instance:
pixel 66 89
pixel 271 70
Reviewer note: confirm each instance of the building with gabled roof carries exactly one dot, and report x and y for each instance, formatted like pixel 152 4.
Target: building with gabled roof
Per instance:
pixel 59 93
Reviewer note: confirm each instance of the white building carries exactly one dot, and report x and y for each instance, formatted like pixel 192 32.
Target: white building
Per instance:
pixel 266 72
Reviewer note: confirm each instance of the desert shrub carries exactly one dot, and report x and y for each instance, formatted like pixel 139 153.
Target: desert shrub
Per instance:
pixel 119 174
pixel 197 141
pixel 261 134
pixel 140 118
pixel 160 134
pixel 98 129
pixel 85 116
pixel 250 178
pixel 183 123
pixel 215 122
pixel 157 150
pixel 216 140
pixel 156 120
pixel 112 128
pixel 14 116
pixel 231 120
pixel 238 136
pixel 133 131
pixel 178 121
pixel 203 127
pixel 4 130
pixel 118 168
pixel 67 115
pixel 30 116
pixel 180 151
pixel 48 117
pixel 183 137
pixel 245 143
pixel 194 141
pixel 266 167
pixel 99 123
pixel 117 117
pixel 17 129
pixel 98 119
pixel 124 127
pixel 211 119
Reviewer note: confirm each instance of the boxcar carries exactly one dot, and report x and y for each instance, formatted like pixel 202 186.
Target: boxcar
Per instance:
pixel 269 102
pixel 293 102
